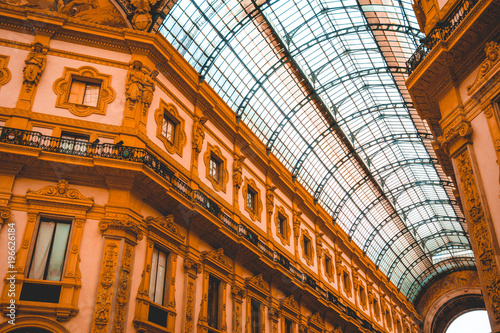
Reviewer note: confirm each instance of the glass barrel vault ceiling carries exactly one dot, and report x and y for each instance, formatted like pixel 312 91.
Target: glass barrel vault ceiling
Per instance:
pixel 322 84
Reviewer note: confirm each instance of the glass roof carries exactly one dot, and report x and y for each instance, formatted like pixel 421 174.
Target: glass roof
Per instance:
pixel 321 83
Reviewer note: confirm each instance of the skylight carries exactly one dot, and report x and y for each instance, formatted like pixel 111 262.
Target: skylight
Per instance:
pixel 321 83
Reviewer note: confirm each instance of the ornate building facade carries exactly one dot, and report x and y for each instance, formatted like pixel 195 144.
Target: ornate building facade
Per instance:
pixel 133 199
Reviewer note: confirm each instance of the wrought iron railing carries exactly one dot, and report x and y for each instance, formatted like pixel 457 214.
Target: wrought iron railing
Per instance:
pixel 141 155
pixel 441 32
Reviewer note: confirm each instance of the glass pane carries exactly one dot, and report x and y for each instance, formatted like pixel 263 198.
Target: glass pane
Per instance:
pixel 91 96
pixel 42 248
pixel 160 277
pixel 58 251
pixel 152 281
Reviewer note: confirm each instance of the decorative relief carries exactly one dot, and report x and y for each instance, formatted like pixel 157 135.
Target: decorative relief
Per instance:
pixel 128 225
pixel 5 213
pixel 270 202
pixel 280 216
pixel 5 74
pixel 198 135
pixel 192 264
pixel 237 171
pixel 190 307
pixel 166 222
pixel 337 329
pixel 316 319
pixel 62 88
pixel 297 221
pixel 177 144
pixel 104 291
pixel 487 260
pixel 122 295
pixel 459 128
pixel 492 51
pixel 258 282
pixel 218 258
pixel 140 87
pixel 290 303
pixel 142 19
pixel 35 65
pixel 61 190
pixel 218 184
pixel 256 211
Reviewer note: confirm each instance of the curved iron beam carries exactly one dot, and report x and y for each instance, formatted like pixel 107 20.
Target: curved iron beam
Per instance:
pixel 373 109
pixel 394 238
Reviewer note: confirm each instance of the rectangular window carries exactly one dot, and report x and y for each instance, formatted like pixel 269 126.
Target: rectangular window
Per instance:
pixel 328 265
pixel 213 302
pixel 288 326
pixel 75 144
pixel 158 273
pixel 307 247
pixel 168 129
pixel 49 253
pixel 84 93
pixel 255 319
pixel 215 168
pixel 251 195
pixel 281 225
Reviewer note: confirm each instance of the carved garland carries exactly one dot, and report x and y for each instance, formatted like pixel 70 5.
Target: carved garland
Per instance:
pixel 62 88
pixel 5 74
pixel 492 51
pixel 280 214
pixel 179 138
pixel 218 184
pixel 309 259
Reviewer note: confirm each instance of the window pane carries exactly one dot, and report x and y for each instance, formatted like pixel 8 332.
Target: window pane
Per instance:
pixel 91 95
pixel 213 302
pixel 58 252
pixel 152 282
pixel 160 277
pixel 42 248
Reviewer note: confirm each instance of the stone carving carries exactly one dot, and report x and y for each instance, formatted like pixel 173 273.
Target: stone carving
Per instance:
pixel 192 264
pixel 35 65
pixel 61 190
pixel 128 225
pixel 123 290
pixel 337 329
pixel 142 15
pixel 258 282
pixel 316 319
pixel 296 225
pixel 487 261
pixel 190 307
pixel 5 213
pixel 237 171
pixel 460 127
pixel 270 201
pixel 5 74
pixel 492 51
pixel 140 86
pixel 166 222
pixel 237 317
pixel 290 302
pixel 198 135
pixel 104 292
pixel 218 257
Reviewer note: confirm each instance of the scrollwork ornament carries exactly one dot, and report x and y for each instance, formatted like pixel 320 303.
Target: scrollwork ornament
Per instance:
pixel 5 74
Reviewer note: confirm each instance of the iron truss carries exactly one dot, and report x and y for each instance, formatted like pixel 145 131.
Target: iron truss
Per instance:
pixel 321 83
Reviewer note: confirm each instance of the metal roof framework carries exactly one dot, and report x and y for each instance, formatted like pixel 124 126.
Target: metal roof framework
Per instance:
pixel 322 84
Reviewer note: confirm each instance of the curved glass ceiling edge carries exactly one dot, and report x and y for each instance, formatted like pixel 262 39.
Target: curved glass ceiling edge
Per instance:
pixel 326 79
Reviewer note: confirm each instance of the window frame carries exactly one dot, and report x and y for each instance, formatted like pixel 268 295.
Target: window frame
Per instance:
pixel 86 74
pixel 308 254
pixel 216 265
pixel 281 215
pixel 85 83
pixel 48 202
pixel 170 112
pixel 257 290
pixel 250 186
pixel 289 310
pixel 162 234
pixel 328 264
pixel 214 152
